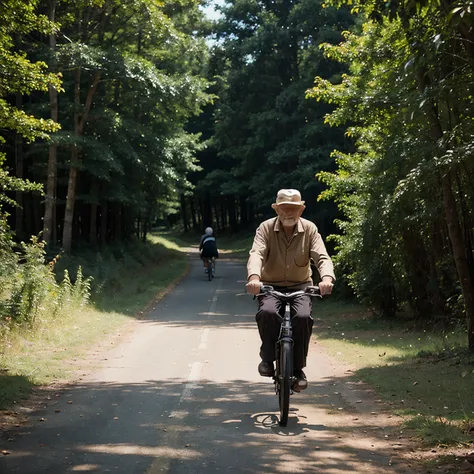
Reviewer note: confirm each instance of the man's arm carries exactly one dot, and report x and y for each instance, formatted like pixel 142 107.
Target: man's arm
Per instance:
pixel 320 256
pixel 257 253
pixel 323 263
pixel 254 264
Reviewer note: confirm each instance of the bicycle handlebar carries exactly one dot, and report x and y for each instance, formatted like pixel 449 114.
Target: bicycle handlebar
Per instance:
pixel 309 290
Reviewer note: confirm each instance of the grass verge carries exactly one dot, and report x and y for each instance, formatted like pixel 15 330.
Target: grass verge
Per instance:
pixel 126 279
pixel 425 376
pixel 233 245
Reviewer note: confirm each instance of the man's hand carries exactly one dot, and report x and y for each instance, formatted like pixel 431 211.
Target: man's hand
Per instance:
pixel 325 285
pixel 254 284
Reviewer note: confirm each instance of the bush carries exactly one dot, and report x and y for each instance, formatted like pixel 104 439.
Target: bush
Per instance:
pixel 73 295
pixel 32 284
pixel 29 287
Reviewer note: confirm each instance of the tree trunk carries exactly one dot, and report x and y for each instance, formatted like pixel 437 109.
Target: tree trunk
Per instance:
pixel 146 224
pixel 183 212
pixel 232 213
pixel 50 197
pixel 460 255
pixel 251 213
pixel 70 201
pixel 244 216
pixel 93 213
pixel 206 210
pixel 93 225
pixel 218 221
pixel 137 229
pixel 37 213
pixel 19 171
pixel 28 212
pixel 458 245
pixel 193 214
pixel 128 223
pixel 103 223
pixel 82 218
pixel 223 216
pixel 467 222
pixel 79 124
pixel 118 221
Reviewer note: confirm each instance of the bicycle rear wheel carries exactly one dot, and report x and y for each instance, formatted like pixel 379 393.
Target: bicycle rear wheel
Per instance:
pixel 285 379
pixel 210 273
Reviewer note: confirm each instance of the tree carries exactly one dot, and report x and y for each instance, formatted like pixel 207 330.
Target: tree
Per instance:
pixel 406 95
pixel 132 80
pixel 18 76
pixel 21 76
pixel 266 56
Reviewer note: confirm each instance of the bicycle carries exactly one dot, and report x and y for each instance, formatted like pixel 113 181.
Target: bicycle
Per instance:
pixel 283 377
pixel 211 268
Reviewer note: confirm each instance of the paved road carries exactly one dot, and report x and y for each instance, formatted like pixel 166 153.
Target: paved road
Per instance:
pixel 182 395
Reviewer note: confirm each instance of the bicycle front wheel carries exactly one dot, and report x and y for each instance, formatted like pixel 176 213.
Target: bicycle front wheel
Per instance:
pixel 285 379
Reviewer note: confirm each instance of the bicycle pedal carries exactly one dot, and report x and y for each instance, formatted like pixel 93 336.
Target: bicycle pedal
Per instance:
pixel 296 387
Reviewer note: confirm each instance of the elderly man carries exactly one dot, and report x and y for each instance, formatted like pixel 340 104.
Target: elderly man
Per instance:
pixel 280 256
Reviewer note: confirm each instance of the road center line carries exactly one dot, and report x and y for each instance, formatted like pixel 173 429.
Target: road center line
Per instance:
pixel 193 378
pixel 214 298
pixel 204 337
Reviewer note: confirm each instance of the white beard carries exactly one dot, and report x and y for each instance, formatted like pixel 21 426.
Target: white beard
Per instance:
pixel 288 221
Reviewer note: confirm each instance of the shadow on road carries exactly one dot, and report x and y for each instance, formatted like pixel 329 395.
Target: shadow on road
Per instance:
pixel 159 426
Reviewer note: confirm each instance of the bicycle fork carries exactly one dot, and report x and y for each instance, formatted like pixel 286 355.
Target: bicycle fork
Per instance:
pixel 286 336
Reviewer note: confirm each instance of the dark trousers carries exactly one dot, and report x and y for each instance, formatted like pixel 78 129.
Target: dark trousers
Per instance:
pixel 269 317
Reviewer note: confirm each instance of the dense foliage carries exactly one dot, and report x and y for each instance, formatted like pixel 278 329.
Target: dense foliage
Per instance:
pixel 407 192
pixel 266 135
pixel 131 78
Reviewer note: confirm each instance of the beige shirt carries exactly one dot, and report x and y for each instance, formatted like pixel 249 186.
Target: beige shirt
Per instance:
pixel 280 262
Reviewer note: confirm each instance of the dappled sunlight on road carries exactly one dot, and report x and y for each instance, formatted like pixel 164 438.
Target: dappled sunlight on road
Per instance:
pixel 218 432
pixel 85 468
pixel 130 449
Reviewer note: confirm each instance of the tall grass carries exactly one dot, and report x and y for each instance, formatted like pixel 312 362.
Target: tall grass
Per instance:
pixel 51 312
pixel 125 276
pixel 32 293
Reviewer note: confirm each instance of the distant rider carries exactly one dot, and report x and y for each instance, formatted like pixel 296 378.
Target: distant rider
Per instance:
pixel 208 247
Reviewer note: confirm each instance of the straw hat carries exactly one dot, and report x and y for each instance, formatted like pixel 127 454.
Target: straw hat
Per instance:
pixel 288 196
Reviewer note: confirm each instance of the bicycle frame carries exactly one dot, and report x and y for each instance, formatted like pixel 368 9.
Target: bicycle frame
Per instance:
pixel 211 265
pixel 286 334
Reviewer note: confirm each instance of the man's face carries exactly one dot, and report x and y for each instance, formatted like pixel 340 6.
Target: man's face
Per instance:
pixel 289 214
